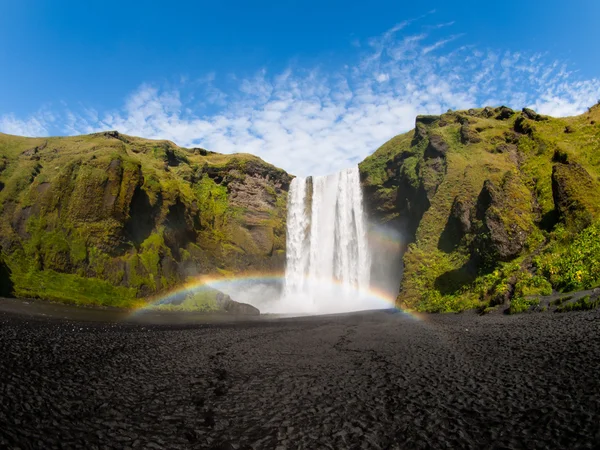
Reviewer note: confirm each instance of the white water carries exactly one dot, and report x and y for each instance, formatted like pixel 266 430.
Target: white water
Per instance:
pixel 328 261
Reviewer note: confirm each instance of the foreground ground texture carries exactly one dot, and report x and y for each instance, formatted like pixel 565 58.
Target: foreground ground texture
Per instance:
pixel 368 380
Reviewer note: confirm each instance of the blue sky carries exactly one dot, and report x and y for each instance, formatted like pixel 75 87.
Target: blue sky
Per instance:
pixel 310 86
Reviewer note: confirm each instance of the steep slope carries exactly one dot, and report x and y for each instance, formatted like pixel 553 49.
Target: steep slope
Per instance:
pixel 108 218
pixel 494 202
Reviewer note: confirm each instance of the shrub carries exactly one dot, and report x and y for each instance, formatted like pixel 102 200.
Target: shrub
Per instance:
pixel 575 266
pixel 582 304
pixel 522 304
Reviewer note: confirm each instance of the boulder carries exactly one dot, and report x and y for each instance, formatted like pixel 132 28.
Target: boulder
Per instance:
pixel 504 113
pixel 532 115
pixel 487 112
pixel 225 303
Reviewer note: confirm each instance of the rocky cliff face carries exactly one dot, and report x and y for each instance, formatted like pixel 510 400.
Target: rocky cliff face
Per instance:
pixel 489 199
pixel 107 218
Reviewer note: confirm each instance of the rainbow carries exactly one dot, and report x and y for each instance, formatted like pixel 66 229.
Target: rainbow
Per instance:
pixel 240 281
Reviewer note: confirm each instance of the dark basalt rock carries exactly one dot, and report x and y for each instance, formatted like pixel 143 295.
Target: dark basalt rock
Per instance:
pixel 523 126
pixel 225 303
pixel 468 135
pixel 506 216
pixel 6 284
pixel 433 166
pixel 114 135
pixel 437 147
pixel 487 112
pixel 458 225
pixel 532 115
pixel 504 113
pixel 572 191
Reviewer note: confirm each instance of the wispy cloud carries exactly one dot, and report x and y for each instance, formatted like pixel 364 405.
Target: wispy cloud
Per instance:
pixel 37 124
pixel 312 122
pixel 440 43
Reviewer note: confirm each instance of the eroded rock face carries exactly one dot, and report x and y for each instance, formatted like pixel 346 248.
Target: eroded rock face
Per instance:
pixel 468 135
pixel 507 217
pixel 573 190
pixel 458 225
pixel 6 284
pixel 504 113
pixel 141 214
pixel 433 167
pixel 532 115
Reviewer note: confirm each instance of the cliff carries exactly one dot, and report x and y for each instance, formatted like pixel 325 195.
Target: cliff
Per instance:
pixel 499 206
pixel 108 218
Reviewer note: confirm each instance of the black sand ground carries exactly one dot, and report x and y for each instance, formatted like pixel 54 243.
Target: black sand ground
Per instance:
pixel 369 380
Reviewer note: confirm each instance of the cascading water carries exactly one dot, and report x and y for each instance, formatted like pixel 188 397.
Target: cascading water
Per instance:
pixel 328 260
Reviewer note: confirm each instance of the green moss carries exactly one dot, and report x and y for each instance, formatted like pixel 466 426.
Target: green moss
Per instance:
pixel 522 304
pixel 213 204
pixel 517 156
pixel 530 285
pixel 584 303
pixel 202 300
pixel 573 263
pixel 70 288
pixel 561 300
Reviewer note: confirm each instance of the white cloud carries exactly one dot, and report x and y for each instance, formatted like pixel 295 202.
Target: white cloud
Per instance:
pixel 310 122
pixel 35 125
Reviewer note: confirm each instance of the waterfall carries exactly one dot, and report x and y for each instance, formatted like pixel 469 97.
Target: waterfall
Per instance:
pixel 328 261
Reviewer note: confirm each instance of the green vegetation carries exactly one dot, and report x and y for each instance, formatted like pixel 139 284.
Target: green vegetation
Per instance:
pixel 109 219
pixel 582 304
pixel 561 300
pixel 522 304
pixel 501 207
pixel 573 262
pixel 203 300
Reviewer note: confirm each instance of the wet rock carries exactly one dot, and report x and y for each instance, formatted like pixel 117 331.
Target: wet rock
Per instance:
pixel 230 306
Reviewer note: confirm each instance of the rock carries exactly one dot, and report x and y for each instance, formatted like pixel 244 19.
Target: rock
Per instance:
pixel 434 165
pixel 427 119
pixel 6 284
pixel 100 209
pixel 507 217
pixel 458 225
pixel 468 135
pixel 437 147
pixel 575 194
pixel 487 112
pixel 225 303
pixel 532 115
pixel 504 113
pixel 523 126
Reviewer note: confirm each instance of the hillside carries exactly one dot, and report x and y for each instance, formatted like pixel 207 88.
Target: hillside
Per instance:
pixel 500 206
pixel 108 218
